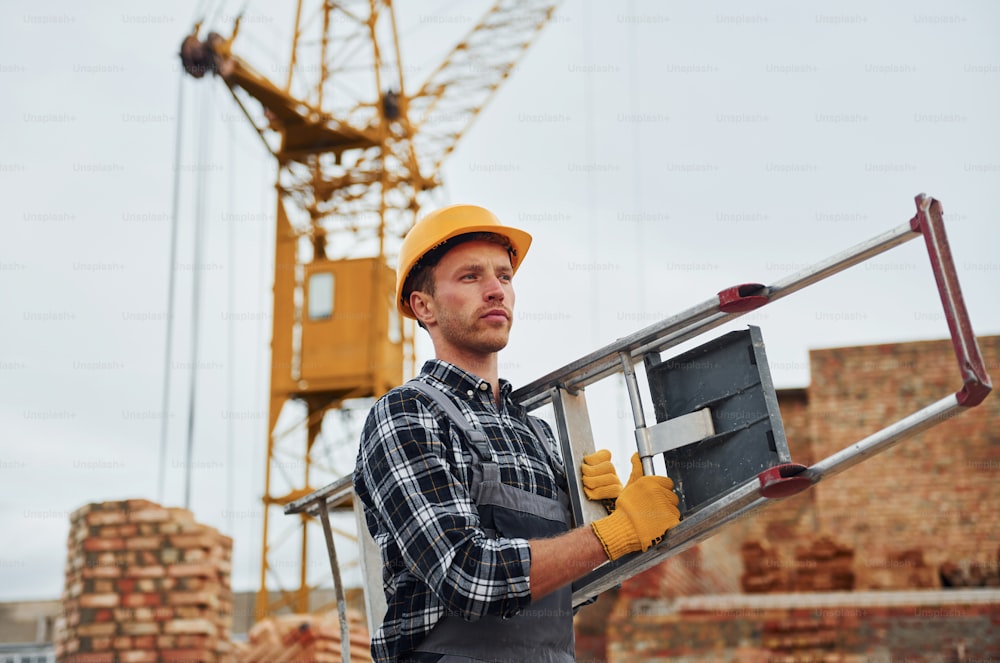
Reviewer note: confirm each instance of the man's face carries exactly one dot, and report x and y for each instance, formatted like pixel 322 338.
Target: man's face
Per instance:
pixel 473 300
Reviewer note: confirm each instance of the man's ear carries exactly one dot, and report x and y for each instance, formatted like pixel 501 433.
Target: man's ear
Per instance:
pixel 422 305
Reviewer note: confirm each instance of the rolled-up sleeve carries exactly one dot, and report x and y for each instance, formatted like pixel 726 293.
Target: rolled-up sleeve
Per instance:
pixel 420 512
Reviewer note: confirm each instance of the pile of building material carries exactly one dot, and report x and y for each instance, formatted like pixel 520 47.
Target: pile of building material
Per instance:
pixel 970 574
pixel 809 638
pixel 824 566
pixel 145 584
pixel 762 572
pixel 298 638
pixel 900 570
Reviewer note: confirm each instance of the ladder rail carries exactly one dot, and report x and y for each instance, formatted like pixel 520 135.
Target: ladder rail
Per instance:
pixel 676 329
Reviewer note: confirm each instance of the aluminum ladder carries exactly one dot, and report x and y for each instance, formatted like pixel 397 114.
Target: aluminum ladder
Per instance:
pixel 693 432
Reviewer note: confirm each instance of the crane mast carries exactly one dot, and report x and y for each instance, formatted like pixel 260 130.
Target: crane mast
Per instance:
pixel 356 154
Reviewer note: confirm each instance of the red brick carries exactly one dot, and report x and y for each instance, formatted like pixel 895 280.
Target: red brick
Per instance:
pixel 104 518
pixel 194 641
pixel 97 545
pixel 150 515
pixel 103 615
pixel 147 557
pixel 145 641
pixel 155 571
pixel 182 516
pixel 193 598
pixel 101 571
pixel 163 613
pixel 127 530
pixel 102 643
pixel 96 630
pixel 166 641
pixel 140 628
pixel 141 600
pixel 187 541
pixel 109 600
pixel 134 615
pixel 138 505
pixel 195 555
pixel 199 570
pixel 190 626
pixel 143 542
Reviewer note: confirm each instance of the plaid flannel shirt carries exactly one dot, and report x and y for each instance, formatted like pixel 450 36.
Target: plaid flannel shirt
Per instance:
pixel 413 476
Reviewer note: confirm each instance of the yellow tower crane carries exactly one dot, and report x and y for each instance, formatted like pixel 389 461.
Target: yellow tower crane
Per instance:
pixel 356 152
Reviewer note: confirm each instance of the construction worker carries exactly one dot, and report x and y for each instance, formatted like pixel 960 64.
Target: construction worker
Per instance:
pixel 463 493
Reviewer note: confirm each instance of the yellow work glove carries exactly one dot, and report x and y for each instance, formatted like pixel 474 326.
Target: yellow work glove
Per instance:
pixel 645 509
pixel 600 480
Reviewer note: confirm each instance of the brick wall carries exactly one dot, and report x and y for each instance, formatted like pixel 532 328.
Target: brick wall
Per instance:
pixel 870 627
pixel 936 493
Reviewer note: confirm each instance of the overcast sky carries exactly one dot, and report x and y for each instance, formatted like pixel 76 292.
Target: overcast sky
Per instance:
pixel 658 152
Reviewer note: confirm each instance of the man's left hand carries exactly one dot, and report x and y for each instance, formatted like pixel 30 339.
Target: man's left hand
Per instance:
pixel 600 480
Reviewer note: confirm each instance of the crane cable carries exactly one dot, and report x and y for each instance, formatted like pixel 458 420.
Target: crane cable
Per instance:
pixel 633 62
pixel 199 13
pixel 231 353
pixel 171 271
pixel 589 178
pixel 196 268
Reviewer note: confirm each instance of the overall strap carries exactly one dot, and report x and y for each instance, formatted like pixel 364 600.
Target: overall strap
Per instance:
pixel 539 432
pixel 476 438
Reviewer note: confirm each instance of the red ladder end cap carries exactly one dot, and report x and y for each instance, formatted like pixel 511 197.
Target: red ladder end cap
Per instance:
pixel 783 480
pixel 743 297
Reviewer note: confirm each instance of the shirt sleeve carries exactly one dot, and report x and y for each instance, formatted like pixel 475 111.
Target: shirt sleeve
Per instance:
pixel 419 504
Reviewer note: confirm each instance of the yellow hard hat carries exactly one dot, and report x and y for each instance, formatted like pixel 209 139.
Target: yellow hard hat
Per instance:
pixel 443 224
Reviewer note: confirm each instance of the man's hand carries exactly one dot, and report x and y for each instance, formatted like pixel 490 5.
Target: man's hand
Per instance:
pixel 645 509
pixel 600 481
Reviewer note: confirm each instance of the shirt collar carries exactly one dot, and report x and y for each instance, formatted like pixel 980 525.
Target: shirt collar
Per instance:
pixel 460 380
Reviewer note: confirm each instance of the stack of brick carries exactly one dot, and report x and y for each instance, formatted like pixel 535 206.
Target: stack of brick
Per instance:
pixel 761 569
pixel 802 638
pixel 299 638
pixel 824 566
pixel 145 584
pixel 902 570
pixel 970 574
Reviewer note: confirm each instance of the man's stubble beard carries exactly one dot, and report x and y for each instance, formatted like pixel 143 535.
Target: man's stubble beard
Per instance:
pixel 478 337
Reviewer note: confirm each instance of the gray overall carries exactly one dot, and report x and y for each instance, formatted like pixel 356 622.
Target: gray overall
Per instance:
pixel 543 632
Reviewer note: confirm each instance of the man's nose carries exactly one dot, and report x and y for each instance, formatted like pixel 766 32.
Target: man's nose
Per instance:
pixel 494 289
